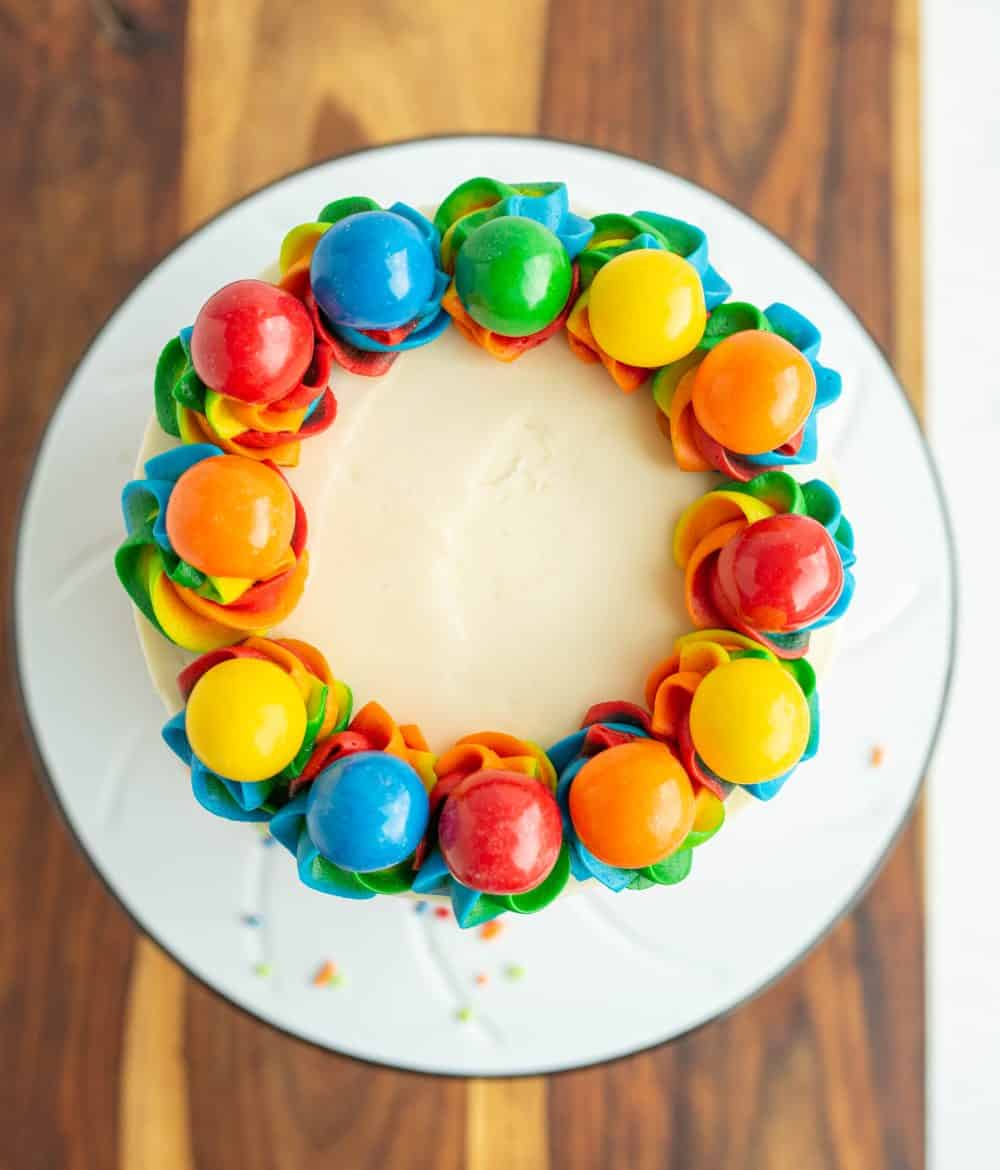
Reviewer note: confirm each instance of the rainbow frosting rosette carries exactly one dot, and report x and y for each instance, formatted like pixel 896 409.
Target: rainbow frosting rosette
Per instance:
pixel 254 716
pixel 747 397
pixel 371 279
pixel 493 792
pixel 624 794
pixel 770 558
pixel 617 344
pixel 266 420
pixel 196 527
pixel 735 714
pixel 511 250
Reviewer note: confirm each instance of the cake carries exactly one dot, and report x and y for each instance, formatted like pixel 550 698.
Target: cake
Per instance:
pixel 506 467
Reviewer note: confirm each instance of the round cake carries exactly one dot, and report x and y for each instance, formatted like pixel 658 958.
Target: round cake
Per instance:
pixel 501 467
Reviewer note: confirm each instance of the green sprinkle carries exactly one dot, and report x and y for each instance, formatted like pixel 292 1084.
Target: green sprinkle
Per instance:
pixel 262 969
pixel 514 971
pixel 463 1015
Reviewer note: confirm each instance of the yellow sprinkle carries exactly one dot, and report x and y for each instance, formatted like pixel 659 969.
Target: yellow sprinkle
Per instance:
pixel 877 757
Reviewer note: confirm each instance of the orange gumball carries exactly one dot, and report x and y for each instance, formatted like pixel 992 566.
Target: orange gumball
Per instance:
pixel 753 392
pixel 632 805
pixel 231 517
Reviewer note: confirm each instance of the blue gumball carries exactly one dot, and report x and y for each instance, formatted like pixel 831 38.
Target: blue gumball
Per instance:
pixel 372 270
pixel 367 811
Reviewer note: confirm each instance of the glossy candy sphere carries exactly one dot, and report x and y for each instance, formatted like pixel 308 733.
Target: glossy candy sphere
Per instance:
pixel 513 276
pixel 245 719
pixel 632 805
pixel 252 341
pixel 781 573
pixel 500 832
pixel 647 308
pixel 367 811
pixel 230 516
pixel 753 392
pixel 749 721
pixel 372 270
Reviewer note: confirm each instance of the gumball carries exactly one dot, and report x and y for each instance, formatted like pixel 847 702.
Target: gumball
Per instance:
pixel 647 308
pixel 513 276
pixel 372 270
pixel 781 573
pixel 230 516
pixel 753 392
pixel 632 805
pixel 367 811
pixel 252 341
pixel 749 721
pixel 245 719
pixel 500 832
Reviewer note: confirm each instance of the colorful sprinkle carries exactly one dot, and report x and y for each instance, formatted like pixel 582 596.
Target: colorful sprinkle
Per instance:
pixel 253 920
pixel 490 929
pixel 421 907
pixel 482 979
pixel 877 757
pixel 263 970
pixel 514 972
pixel 325 974
pixel 463 1015
pixel 442 912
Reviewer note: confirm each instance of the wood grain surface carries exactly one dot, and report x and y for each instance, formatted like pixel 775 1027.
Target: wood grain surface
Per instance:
pixel 129 123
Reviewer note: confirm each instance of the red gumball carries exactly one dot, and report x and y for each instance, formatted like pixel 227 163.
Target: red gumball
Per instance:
pixel 252 341
pixel 780 574
pixel 500 832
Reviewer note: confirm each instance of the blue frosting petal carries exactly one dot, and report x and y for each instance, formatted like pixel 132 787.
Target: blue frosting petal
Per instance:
pixel 286 824
pixel 175 737
pixel 319 874
pixel 216 796
pixel 432 875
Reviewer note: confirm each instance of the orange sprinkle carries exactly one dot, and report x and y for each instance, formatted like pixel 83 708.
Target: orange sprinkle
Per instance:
pixel 877 757
pixel 490 929
pixel 325 974
pixel 482 979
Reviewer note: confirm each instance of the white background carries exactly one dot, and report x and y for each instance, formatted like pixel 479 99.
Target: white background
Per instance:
pixel 961 50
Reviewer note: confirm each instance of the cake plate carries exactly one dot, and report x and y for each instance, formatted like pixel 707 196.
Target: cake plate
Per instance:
pixel 596 976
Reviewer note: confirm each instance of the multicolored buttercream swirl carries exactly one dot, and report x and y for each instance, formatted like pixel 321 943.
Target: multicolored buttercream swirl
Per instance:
pixel 746 398
pixel 769 558
pixel 249 376
pixel 254 716
pixel 736 714
pixel 511 250
pixel 637 313
pixel 495 839
pixel 215 547
pixel 371 279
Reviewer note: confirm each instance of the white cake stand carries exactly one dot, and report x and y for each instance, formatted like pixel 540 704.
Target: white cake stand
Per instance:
pixel 596 976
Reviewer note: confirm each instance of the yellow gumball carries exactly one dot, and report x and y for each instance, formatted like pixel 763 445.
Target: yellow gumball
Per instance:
pixel 647 308
pixel 245 719
pixel 749 721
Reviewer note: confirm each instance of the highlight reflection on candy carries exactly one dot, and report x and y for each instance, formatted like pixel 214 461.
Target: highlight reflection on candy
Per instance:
pixel 769 558
pixel 221 598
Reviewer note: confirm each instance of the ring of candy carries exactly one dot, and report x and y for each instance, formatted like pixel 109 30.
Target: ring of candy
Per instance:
pixel 215 553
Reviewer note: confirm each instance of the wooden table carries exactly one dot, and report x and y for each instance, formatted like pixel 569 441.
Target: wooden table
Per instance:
pixel 125 125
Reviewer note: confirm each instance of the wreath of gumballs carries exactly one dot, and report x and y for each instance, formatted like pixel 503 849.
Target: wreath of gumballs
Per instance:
pixel 216 551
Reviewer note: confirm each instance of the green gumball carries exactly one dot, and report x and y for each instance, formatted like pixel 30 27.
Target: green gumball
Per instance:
pixel 513 276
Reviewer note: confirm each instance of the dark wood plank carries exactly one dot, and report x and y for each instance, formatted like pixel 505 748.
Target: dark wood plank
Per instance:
pixel 786 110
pixel 88 201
